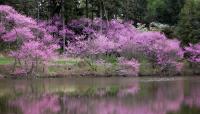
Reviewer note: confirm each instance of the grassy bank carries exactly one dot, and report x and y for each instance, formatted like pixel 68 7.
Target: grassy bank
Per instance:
pixel 78 67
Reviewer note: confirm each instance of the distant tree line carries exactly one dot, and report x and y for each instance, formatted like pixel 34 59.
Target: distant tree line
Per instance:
pixel 164 11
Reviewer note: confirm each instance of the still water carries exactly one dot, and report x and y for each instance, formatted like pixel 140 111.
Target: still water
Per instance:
pixel 100 96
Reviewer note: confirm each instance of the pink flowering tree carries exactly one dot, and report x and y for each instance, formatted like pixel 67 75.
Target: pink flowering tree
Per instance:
pixel 194 52
pixel 34 44
pixel 116 36
pixel 58 30
pixel 157 49
pixel 154 46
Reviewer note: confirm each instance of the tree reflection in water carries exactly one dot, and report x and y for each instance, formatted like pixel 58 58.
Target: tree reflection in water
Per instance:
pixel 132 98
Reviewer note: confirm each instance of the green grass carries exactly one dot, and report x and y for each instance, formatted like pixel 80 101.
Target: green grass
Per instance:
pixel 110 59
pixel 53 69
pixel 6 60
pixel 56 69
pixel 67 62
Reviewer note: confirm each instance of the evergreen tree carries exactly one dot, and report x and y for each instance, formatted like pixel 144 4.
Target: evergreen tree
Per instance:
pixel 164 11
pixel 188 27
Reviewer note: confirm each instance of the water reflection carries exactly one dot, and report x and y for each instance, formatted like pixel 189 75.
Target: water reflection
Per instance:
pixel 100 96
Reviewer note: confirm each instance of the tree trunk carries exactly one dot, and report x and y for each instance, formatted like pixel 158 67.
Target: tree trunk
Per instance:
pixel 63 19
pixel 86 4
pixel 92 12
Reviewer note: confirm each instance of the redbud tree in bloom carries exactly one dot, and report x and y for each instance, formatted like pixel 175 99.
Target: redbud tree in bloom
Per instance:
pixel 37 42
pixel 157 49
pixel 34 44
pixel 122 38
pixel 60 32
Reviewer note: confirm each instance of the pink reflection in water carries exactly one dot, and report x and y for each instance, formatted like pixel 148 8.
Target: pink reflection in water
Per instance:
pixel 160 98
pixel 193 99
pixel 130 90
pixel 46 104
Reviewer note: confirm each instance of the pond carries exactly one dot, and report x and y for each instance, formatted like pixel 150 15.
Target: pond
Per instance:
pixel 115 95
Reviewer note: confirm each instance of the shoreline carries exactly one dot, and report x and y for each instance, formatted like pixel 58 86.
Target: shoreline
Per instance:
pixel 93 76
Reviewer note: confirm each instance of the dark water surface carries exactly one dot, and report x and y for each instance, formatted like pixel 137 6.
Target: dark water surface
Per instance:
pixel 100 96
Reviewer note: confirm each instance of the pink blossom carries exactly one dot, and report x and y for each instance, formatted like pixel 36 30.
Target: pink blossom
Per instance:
pixel 52 29
pixel 194 51
pixel 133 65
pixel 21 33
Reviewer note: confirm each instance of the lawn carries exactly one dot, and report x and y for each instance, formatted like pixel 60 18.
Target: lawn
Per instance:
pixel 5 60
pixel 69 61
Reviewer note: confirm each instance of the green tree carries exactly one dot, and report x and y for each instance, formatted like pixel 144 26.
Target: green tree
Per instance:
pixel 164 11
pixel 134 9
pixel 188 28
